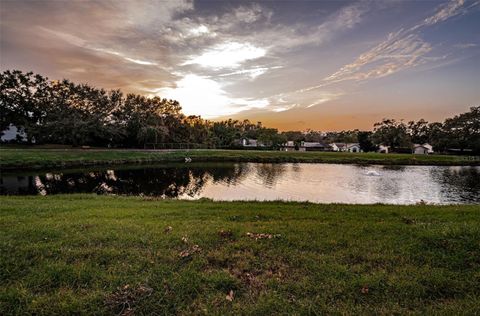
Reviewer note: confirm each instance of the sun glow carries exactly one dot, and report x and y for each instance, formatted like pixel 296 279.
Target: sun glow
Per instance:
pixel 227 55
pixel 199 95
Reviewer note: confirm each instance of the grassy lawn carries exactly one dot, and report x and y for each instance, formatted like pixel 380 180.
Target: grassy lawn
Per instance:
pixel 87 254
pixel 46 158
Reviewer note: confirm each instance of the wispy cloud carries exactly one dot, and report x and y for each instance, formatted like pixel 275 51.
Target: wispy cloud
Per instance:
pixel 397 53
pixel 444 12
pixel 77 41
pixel 140 62
pixel 401 50
pixel 252 72
pixel 466 45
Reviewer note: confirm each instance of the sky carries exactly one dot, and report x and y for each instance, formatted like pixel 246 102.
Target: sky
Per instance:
pixel 294 65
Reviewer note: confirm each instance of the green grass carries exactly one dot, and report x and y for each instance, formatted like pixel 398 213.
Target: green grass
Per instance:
pixel 95 255
pixel 48 158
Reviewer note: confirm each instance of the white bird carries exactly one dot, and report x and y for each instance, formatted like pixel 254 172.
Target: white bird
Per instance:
pixel 372 173
pixel 188 159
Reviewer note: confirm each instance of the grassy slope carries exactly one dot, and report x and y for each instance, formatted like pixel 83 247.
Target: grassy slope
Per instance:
pixel 41 158
pixel 66 254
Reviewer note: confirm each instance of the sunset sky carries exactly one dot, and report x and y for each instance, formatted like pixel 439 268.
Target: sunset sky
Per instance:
pixel 325 65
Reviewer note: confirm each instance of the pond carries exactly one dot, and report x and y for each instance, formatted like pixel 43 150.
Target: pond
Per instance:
pixel 322 183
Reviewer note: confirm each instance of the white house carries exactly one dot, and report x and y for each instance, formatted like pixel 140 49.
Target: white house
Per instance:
pixel 422 149
pixel 249 142
pixel 383 149
pixel 354 148
pixel 288 146
pixel 347 147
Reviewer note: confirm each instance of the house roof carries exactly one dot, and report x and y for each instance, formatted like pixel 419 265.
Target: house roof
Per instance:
pixel 427 146
pixel 313 144
pixel 345 145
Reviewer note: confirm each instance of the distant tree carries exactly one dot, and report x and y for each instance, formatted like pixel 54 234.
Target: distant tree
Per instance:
pixel 463 130
pixel 365 141
pixel 437 137
pixel 271 138
pixel 226 133
pixel 314 136
pixel 418 131
pixel 295 136
pixel 391 133
pixel 22 100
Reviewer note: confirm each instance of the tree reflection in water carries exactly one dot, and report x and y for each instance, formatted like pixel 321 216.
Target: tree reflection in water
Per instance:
pixel 463 181
pixel 269 173
pixel 167 180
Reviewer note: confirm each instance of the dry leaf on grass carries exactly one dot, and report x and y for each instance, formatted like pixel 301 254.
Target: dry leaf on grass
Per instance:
pixel 230 296
pixel 225 234
pixel 364 290
pixel 189 251
pixel 258 236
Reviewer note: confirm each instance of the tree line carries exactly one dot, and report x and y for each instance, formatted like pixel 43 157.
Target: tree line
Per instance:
pixel 457 134
pixel 63 112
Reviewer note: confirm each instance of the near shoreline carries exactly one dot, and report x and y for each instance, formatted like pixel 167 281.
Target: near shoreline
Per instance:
pixel 33 159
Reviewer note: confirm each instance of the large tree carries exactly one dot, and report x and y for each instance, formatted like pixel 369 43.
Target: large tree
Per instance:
pixel 463 130
pixel 391 133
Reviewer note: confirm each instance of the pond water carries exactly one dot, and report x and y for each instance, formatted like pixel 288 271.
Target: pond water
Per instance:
pixel 323 183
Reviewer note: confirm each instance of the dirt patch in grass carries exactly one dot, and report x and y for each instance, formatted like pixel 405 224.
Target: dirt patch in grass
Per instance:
pixel 123 300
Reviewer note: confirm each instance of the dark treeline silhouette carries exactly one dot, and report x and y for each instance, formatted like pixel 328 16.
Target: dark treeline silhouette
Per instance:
pixel 458 134
pixel 62 112
pixel 167 180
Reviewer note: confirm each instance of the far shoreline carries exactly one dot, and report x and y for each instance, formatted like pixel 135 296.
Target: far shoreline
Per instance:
pixel 23 159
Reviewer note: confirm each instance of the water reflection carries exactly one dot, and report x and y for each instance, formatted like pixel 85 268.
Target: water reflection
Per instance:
pixel 246 181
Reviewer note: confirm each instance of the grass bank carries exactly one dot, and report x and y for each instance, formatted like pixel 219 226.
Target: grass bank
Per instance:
pixel 60 158
pixel 86 254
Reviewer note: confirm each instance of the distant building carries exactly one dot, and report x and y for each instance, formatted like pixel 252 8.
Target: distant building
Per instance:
pixel 422 149
pixel 289 146
pixel 383 149
pixel 249 142
pixel 346 147
pixel 314 146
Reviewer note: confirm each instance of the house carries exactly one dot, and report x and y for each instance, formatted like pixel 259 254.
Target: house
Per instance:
pixel 354 148
pixel 383 149
pixel 422 149
pixel 314 146
pixel 289 146
pixel 346 147
pixel 249 142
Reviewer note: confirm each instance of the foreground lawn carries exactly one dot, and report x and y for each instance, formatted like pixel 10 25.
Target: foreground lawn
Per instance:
pixel 86 254
pixel 46 158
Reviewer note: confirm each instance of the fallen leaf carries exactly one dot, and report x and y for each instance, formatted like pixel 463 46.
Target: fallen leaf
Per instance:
pixel 230 296
pixel 225 233
pixel 364 290
pixel 257 236
pixel 189 251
